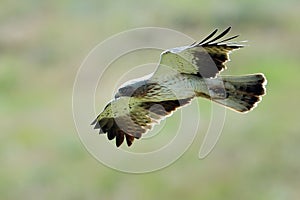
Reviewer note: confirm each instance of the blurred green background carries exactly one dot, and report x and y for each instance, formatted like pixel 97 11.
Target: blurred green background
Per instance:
pixel 42 44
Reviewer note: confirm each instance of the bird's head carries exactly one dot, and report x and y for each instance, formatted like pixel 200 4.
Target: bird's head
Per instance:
pixel 130 89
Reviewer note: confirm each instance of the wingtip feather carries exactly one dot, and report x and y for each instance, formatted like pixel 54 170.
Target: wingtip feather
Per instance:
pixel 94 122
pixel 213 41
pixel 208 37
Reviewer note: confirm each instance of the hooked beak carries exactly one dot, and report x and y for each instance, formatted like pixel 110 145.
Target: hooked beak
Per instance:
pixel 117 95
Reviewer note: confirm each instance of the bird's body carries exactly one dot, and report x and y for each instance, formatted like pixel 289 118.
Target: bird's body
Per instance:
pixel 183 74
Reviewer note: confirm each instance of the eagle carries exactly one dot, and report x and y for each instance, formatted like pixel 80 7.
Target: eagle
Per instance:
pixel 183 73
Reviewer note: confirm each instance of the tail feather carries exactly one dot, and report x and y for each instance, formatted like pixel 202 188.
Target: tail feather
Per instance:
pixel 242 92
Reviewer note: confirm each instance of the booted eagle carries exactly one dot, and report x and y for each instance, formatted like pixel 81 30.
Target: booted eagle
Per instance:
pixel 183 73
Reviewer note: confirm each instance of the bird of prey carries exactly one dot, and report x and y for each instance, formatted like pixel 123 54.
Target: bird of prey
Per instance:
pixel 182 74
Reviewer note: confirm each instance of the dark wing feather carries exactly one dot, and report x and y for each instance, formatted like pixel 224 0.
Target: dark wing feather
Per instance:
pixel 205 59
pixel 141 118
pixel 209 36
pixel 218 37
pixel 218 51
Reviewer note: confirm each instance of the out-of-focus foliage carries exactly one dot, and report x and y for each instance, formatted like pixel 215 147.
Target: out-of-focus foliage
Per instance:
pixel 42 44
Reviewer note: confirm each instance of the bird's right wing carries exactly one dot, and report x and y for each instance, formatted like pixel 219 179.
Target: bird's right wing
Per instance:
pixel 205 58
pixel 124 119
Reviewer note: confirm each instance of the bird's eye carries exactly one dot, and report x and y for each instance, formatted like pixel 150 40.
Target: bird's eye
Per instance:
pixel 126 91
pixel 123 90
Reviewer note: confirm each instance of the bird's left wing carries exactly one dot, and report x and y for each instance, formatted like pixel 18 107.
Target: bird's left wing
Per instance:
pixel 124 119
pixel 205 58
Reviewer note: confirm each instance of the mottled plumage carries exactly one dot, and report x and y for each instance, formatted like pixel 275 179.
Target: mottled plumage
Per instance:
pixel 182 74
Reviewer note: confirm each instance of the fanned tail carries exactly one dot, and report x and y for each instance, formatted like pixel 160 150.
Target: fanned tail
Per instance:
pixel 240 93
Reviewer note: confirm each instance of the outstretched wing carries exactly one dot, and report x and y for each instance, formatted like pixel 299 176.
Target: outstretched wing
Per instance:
pixel 206 58
pixel 137 119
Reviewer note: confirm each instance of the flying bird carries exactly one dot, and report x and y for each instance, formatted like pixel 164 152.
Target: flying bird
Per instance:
pixel 182 74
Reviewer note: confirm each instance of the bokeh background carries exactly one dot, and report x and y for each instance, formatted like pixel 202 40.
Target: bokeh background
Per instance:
pixel 42 44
